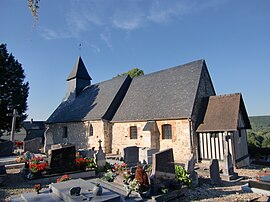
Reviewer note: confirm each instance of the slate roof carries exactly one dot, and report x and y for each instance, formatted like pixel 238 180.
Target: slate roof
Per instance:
pixel 79 71
pixel 34 125
pixel 222 113
pixel 167 94
pixel 95 102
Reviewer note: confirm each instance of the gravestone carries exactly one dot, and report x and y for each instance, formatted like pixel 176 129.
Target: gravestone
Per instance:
pixel 63 159
pixel 100 156
pixel 87 153
pixel 214 172
pixel 145 155
pixel 6 147
pixel 189 167
pixel 3 174
pixel 131 155
pixel 163 170
pixel 228 166
pixel 32 145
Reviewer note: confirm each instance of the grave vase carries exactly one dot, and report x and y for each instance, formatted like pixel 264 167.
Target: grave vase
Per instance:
pixel 97 190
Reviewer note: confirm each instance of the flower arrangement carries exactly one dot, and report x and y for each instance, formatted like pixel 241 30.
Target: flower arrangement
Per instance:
pixel 133 185
pixel 26 157
pixel 37 188
pixel 63 178
pixel 83 163
pixel 37 165
pixel 119 168
pixel 80 163
pixel 90 163
pixel 109 176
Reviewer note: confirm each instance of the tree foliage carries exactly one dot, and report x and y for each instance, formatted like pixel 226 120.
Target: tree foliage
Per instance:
pixel 133 73
pixel 33 6
pixel 259 136
pixel 13 90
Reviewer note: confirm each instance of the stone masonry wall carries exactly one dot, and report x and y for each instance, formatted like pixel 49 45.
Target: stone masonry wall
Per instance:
pixel 75 134
pixel 180 141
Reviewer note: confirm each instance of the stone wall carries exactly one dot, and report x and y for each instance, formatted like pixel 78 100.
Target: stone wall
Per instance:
pixel 79 134
pixel 75 134
pixel 180 141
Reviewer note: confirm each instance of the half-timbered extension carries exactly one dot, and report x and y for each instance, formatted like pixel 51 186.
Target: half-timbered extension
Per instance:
pixel 225 122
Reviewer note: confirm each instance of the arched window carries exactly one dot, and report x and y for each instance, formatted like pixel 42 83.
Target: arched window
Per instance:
pixel 91 130
pixel 133 132
pixel 166 131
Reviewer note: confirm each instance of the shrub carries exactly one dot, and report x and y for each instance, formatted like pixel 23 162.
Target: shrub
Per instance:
pixel 182 175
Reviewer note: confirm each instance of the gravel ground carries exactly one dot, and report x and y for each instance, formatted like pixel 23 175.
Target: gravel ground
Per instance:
pixel 228 191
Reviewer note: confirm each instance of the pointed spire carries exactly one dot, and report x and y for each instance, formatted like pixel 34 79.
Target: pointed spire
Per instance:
pixel 79 71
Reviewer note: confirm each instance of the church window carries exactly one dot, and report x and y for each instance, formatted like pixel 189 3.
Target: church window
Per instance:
pixel 133 132
pixel 166 131
pixel 91 130
pixel 65 132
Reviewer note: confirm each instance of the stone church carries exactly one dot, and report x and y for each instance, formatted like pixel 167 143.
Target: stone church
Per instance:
pixel 173 108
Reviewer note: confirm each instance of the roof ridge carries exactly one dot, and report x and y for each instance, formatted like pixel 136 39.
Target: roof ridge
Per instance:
pixel 170 68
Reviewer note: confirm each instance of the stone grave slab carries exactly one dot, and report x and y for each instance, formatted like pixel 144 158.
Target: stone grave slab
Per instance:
pixel 32 145
pixel 44 196
pixel 63 159
pixel 100 156
pixel 145 155
pixel 62 190
pixel 190 165
pixel 163 169
pixel 131 155
pixel 6 147
pixel 87 153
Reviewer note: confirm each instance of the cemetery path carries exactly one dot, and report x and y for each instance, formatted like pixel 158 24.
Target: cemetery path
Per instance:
pixel 228 191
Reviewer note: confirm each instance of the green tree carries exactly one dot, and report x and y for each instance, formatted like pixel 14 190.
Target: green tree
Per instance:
pixel 13 90
pixel 133 73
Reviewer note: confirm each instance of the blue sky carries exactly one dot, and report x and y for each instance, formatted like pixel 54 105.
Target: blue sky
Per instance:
pixel 233 36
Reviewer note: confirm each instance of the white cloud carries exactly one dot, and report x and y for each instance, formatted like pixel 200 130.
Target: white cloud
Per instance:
pixel 50 34
pixel 99 15
pixel 95 48
pixel 106 37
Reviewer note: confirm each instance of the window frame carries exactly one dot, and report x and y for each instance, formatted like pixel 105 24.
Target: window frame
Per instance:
pixel 166 131
pixel 90 130
pixel 133 132
pixel 65 132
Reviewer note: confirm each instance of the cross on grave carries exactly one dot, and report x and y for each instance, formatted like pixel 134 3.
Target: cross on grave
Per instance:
pixel 13 126
pixel 99 143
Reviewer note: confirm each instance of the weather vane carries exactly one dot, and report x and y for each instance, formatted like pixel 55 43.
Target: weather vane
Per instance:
pixel 80 49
